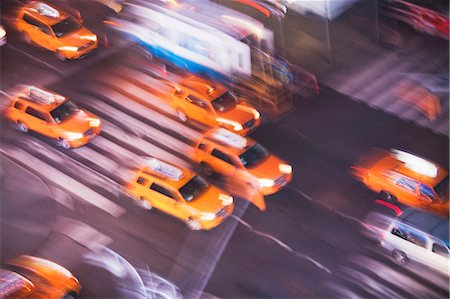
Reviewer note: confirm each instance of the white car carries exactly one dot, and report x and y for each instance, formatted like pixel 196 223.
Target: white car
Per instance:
pixel 2 35
pixel 418 236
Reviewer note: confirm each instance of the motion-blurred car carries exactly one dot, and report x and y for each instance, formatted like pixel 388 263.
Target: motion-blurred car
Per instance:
pixel 424 16
pixel 55 30
pixel 418 236
pixel 227 153
pixel 54 116
pixel 181 193
pixel 32 277
pixel 410 179
pixel 214 105
pixel 2 35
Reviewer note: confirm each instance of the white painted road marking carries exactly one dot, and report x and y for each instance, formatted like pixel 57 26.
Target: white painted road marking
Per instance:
pixel 64 181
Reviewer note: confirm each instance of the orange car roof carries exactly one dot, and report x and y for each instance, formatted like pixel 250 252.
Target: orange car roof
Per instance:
pixel 173 175
pixel 41 97
pixel 229 140
pixel 45 12
pixel 210 89
pixel 428 172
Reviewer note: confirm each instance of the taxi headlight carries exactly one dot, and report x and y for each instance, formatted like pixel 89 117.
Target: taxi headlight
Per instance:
pixel 94 122
pixel 236 126
pixel 90 37
pixel 2 32
pixel 256 114
pixel 73 135
pixel 226 199
pixel 207 216
pixel 285 168
pixel 266 183
pixel 68 48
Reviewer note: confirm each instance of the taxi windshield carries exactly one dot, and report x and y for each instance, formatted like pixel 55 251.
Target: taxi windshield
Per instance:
pixel 225 102
pixel 442 189
pixel 66 26
pixel 193 188
pixel 253 156
pixel 64 111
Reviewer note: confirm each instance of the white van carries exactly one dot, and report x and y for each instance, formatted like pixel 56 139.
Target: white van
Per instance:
pixel 421 237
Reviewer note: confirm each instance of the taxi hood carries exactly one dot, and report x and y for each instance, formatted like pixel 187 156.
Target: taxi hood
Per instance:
pixel 77 38
pixel 240 114
pixel 209 201
pixel 77 123
pixel 268 168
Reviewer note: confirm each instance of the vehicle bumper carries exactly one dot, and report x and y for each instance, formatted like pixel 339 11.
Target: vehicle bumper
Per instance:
pixel 207 225
pixel 81 53
pixel 248 129
pixel 278 186
pixel 85 139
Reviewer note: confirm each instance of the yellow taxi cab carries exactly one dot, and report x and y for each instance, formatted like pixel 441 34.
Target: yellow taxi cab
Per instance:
pixel 32 277
pixel 407 178
pixel 181 193
pixel 212 104
pixel 55 30
pixel 54 116
pixel 232 155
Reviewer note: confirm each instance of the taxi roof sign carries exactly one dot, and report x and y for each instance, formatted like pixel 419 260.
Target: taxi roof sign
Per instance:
pixel 164 169
pixel 230 138
pixel 46 10
pixel 43 96
pixel 416 164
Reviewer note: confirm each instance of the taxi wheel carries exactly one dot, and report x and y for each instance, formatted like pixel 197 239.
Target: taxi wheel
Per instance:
pixel 70 295
pixel 63 143
pixel 144 204
pixel 61 56
pixel 387 196
pixel 400 257
pixel 181 115
pixel 207 170
pixel 193 224
pixel 22 127
pixel 27 38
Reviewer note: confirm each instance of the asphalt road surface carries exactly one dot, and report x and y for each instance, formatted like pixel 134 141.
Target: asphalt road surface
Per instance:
pixel 69 206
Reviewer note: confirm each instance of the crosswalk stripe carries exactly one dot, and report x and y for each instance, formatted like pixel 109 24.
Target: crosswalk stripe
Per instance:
pixel 64 181
pixel 82 233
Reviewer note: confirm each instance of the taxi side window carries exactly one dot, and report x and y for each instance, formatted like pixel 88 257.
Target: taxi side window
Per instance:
pixel 33 112
pixel 218 154
pixel 202 146
pixel 439 249
pixel 162 190
pixel 18 105
pixel 408 184
pixel 41 26
pixel 427 192
pixel 409 235
pixel 196 101
pixel 141 181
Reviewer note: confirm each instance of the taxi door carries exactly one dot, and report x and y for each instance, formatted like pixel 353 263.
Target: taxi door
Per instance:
pixel 222 162
pixel 198 109
pixel 38 32
pixel 162 198
pixel 36 120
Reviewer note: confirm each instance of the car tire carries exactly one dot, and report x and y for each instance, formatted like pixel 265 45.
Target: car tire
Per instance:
pixel 63 143
pixel 61 56
pixel 144 204
pixel 181 115
pixel 69 295
pixel 384 195
pixel 400 257
pixel 193 224
pixel 207 170
pixel 27 38
pixel 22 127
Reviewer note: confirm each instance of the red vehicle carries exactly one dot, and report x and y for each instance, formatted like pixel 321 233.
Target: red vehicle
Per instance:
pixel 424 16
